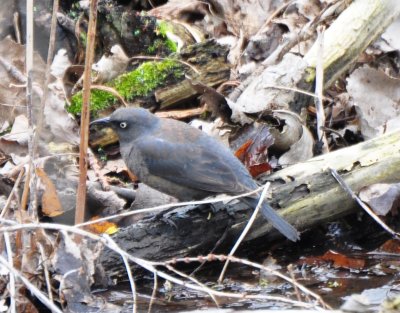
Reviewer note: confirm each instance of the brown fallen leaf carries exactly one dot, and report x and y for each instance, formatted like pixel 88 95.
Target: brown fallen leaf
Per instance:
pixel 341 260
pixel 51 205
pixel 391 246
pixel 254 152
pixel 102 227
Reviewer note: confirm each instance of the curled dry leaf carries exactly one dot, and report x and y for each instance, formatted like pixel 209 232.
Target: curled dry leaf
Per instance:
pixel 51 205
pixel 19 131
pixel 60 64
pixel 110 66
pixel 294 138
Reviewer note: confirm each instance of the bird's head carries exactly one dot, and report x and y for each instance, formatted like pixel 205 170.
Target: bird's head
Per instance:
pixel 129 123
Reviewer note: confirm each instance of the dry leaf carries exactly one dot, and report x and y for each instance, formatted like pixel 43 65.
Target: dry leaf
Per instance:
pixel 376 97
pixel 382 198
pixel 102 227
pixel 341 260
pixel 51 205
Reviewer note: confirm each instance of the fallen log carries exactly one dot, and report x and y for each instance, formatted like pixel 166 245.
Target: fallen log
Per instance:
pixel 306 195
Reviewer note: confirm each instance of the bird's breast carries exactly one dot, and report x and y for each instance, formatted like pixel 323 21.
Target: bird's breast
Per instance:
pixel 134 161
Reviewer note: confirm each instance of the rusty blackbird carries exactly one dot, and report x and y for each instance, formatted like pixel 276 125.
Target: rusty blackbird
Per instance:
pixel 184 162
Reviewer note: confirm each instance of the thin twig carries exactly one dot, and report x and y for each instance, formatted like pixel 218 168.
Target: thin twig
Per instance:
pixel 371 213
pixel 12 193
pixel 13 71
pixel 46 271
pixel 154 293
pixel 304 92
pixel 32 288
pixel 245 230
pixel 112 91
pixel 217 244
pixel 85 114
pixel 29 101
pixel 319 88
pixel 234 259
pixel 16 27
pixel 196 281
pixel 132 283
pixel 130 277
pixel 296 290
pixel 63 286
pixel 170 205
pixel 13 105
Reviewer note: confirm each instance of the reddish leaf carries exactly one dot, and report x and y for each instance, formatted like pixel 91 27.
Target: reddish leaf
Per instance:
pixel 242 151
pixel 340 260
pixel 258 169
pixel 391 246
pixel 254 152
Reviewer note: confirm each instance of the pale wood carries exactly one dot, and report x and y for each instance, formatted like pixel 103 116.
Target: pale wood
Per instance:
pixel 350 34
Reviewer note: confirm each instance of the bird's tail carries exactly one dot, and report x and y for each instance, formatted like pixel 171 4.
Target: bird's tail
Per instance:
pixel 275 219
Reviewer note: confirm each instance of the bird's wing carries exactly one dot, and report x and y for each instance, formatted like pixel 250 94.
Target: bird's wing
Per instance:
pixel 194 166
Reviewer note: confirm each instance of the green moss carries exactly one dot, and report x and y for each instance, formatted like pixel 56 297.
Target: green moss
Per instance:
pixel 156 46
pixel 163 28
pixel 139 82
pixel 171 45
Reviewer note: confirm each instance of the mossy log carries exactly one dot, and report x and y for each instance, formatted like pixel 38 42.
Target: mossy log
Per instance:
pixel 306 195
pixel 210 60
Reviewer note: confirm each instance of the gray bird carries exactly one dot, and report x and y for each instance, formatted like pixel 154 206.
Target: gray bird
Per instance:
pixel 184 162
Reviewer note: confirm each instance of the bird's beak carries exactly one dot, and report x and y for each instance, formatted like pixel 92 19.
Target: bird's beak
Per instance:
pixel 104 120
